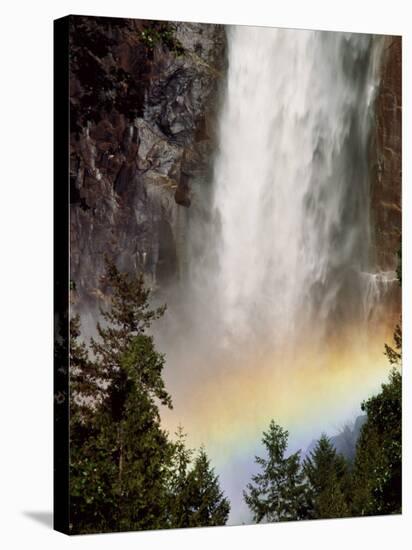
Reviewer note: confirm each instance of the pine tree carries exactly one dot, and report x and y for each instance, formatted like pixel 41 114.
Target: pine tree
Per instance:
pixel 85 388
pixel 91 467
pixel 204 502
pixel 179 505
pixel 394 354
pixel 278 493
pixel 328 477
pixel 129 316
pixel 93 501
pixel 378 462
pixel 120 456
pixel 143 451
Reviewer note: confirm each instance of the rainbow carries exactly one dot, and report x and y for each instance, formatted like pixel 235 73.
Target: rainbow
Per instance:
pixel 227 406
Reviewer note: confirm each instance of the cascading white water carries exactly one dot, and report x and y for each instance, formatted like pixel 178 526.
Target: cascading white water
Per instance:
pixel 290 195
pixel 279 256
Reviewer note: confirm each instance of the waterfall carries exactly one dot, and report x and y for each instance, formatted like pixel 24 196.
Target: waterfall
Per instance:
pixel 277 306
pixel 289 237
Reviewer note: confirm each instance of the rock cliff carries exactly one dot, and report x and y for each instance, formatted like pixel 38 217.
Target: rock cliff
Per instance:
pixel 386 183
pixel 386 178
pixel 144 99
pixel 144 104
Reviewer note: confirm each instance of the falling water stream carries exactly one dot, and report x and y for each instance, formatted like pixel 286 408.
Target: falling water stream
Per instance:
pixel 291 181
pixel 283 261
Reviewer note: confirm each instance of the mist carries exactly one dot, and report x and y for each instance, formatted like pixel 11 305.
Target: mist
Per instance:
pixel 279 309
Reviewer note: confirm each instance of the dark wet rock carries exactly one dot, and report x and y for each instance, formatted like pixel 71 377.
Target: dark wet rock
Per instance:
pixel 386 184
pixel 182 195
pixel 133 163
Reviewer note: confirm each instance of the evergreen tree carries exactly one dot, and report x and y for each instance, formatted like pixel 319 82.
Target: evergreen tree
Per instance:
pixel 394 354
pixel 179 505
pixel 91 468
pixel 120 456
pixel 143 451
pixel 126 474
pixel 278 493
pixel 85 390
pixel 378 462
pixel 93 471
pixel 203 501
pixel 328 477
pixel 129 316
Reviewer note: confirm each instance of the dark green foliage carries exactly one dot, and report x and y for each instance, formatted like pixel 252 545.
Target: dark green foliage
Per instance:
pixel 179 505
pixel 205 504
pixel 345 441
pixel 91 468
pixel 195 495
pixel 85 388
pixel 92 473
pixel 326 485
pixel 394 354
pixel 163 33
pixel 125 472
pixel 378 463
pixel 278 493
pixel 329 483
pixel 103 85
pixel 143 451
pixel 123 345
pixel 119 453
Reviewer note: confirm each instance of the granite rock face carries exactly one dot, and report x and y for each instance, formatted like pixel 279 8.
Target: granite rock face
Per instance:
pixel 133 161
pixel 387 180
pixel 149 97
